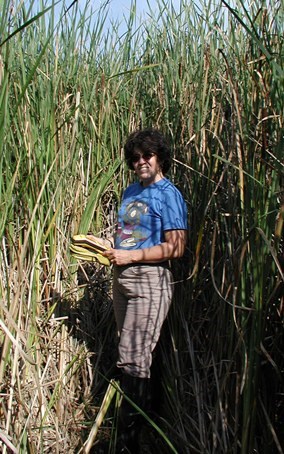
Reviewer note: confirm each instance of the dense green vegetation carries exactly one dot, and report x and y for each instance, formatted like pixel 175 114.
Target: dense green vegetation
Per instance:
pixel 211 77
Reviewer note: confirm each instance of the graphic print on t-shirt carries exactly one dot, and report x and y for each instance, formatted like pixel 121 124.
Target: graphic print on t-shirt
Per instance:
pixel 129 231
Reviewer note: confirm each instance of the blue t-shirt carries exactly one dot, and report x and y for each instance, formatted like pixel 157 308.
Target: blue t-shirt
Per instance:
pixel 147 212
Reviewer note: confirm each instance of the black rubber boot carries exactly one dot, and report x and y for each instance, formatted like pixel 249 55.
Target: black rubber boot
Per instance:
pixel 130 420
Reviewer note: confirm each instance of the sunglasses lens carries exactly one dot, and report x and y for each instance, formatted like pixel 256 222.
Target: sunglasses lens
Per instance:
pixel 146 156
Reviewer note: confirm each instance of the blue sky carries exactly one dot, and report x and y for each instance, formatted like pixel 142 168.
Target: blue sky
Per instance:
pixel 118 10
pixel 119 7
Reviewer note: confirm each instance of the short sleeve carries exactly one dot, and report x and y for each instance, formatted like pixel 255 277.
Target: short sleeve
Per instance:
pixel 174 210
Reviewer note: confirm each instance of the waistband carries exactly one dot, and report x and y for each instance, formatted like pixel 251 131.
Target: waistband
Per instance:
pixel 165 264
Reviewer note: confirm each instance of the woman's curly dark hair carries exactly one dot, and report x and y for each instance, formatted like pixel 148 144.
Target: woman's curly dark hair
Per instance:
pixel 148 140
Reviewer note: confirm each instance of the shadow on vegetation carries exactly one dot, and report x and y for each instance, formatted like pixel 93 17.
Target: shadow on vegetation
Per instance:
pixel 90 320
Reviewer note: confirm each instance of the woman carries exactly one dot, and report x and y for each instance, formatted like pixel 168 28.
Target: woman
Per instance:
pixel 152 229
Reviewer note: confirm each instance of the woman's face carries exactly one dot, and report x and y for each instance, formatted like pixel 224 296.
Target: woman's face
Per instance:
pixel 146 167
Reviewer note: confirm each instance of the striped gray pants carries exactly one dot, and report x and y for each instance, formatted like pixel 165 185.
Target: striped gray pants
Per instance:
pixel 142 296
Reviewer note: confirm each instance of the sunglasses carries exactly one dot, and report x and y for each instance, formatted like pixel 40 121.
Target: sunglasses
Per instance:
pixel 146 156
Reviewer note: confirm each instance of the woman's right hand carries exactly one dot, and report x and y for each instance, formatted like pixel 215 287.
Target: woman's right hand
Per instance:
pixel 120 257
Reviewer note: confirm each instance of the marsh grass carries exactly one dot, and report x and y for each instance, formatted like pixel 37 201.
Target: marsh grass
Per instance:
pixel 211 77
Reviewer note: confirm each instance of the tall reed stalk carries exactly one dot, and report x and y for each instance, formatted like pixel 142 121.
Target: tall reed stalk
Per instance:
pixel 211 77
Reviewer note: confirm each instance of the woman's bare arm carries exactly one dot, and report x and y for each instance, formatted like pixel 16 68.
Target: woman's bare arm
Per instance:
pixel 173 247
